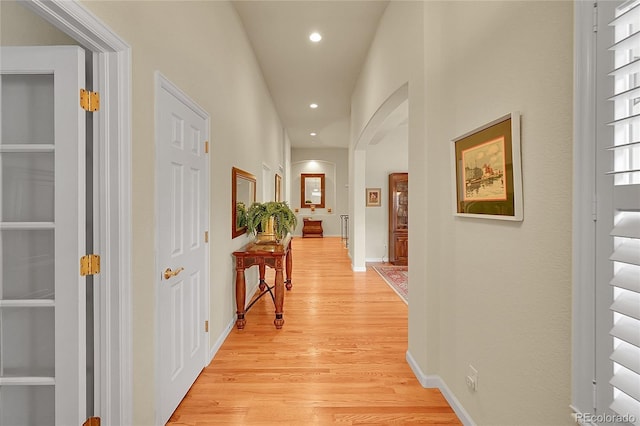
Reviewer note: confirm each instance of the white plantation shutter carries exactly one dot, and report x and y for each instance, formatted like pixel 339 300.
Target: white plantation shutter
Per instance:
pixel 626 197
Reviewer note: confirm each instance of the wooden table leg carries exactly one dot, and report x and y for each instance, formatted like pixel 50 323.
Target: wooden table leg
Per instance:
pixel 289 262
pixel 263 283
pixel 241 289
pixel 279 286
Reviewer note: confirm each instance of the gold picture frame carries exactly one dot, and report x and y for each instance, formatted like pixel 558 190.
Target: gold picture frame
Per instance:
pixel 487 173
pixel 278 188
pixel 374 197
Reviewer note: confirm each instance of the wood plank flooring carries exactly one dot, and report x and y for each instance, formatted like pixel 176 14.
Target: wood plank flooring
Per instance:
pixel 339 358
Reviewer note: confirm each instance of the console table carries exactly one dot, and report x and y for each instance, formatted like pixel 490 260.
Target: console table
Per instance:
pixel 311 228
pixel 276 255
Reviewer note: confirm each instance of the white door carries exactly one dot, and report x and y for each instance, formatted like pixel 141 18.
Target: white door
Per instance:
pixel 42 237
pixel 182 253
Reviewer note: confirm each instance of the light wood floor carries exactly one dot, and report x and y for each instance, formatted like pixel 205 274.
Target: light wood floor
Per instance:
pixel 339 358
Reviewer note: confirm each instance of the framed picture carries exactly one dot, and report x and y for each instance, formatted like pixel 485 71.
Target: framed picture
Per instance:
pixel 278 188
pixel 487 172
pixel 373 197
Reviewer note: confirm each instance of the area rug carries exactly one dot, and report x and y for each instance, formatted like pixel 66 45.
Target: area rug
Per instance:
pixel 397 277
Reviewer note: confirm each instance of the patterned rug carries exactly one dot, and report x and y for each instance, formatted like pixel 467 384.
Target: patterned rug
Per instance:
pixel 397 277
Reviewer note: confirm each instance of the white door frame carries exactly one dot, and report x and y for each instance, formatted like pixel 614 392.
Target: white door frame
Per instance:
pixel 112 202
pixel 268 182
pixel 583 230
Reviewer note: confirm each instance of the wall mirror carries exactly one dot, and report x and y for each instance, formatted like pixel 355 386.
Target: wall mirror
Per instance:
pixel 312 190
pixel 243 194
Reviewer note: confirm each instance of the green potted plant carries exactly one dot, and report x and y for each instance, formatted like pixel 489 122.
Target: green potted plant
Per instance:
pixel 241 215
pixel 271 220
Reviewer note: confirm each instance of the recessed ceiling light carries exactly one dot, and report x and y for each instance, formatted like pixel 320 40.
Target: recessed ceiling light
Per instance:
pixel 313 106
pixel 312 134
pixel 315 37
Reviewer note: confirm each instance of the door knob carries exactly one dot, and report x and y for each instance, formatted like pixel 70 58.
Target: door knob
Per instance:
pixel 168 273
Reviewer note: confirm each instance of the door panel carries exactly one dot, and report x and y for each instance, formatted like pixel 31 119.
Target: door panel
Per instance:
pixel 182 170
pixel 22 400
pixel 42 235
pixel 27 102
pixel 27 264
pixel 27 186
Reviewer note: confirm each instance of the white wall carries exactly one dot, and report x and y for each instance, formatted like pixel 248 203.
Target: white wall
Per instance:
pixel 506 302
pixel 202 48
pixel 333 162
pixel 21 27
pixel 492 294
pixel 395 60
pixel 394 64
pixel 390 155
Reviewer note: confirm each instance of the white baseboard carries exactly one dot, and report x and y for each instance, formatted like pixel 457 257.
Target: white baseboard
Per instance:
pixel 435 381
pixel 358 268
pixel 222 337
pixel 374 259
pixel 220 340
pixel 580 418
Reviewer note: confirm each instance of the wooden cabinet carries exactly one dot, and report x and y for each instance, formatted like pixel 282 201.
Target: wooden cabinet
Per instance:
pixel 398 218
pixel 311 228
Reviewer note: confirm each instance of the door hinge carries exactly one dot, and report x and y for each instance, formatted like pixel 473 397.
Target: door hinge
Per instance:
pixel 206 236
pixel 206 147
pixel 595 17
pixel 89 265
pixel 92 421
pixel 206 326
pixel 89 101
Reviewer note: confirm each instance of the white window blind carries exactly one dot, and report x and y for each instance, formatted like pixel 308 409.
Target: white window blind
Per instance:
pixel 626 227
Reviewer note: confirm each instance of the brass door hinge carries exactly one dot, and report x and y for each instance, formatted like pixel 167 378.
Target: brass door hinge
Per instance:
pixel 206 236
pixel 206 326
pixel 89 101
pixel 206 147
pixel 89 265
pixel 92 421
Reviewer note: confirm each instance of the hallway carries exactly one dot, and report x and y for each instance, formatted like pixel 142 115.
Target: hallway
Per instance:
pixel 339 359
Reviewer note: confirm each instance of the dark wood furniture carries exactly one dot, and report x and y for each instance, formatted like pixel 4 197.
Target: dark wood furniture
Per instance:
pixel 276 255
pixel 311 228
pixel 398 218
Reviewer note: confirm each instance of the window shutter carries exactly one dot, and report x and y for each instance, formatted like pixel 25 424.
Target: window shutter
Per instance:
pixel 626 226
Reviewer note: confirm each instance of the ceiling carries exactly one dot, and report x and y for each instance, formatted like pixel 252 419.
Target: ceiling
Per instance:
pixel 299 72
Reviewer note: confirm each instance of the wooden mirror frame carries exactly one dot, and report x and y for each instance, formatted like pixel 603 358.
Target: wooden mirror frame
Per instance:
pixel 278 188
pixel 236 174
pixel 303 178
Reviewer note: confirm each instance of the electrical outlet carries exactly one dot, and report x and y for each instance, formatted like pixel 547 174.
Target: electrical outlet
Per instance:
pixel 472 378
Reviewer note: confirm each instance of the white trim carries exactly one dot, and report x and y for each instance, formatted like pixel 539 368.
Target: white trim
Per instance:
pixel 435 381
pixel 220 340
pixel 70 17
pixel 113 217
pixel 578 416
pixel 583 232
pixel 268 183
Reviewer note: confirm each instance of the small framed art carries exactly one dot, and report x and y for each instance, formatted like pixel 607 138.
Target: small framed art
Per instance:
pixel 487 172
pixel 373 197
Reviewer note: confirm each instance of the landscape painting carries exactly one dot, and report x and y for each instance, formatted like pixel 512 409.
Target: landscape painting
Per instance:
pixel 486 171
pixel 483 168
